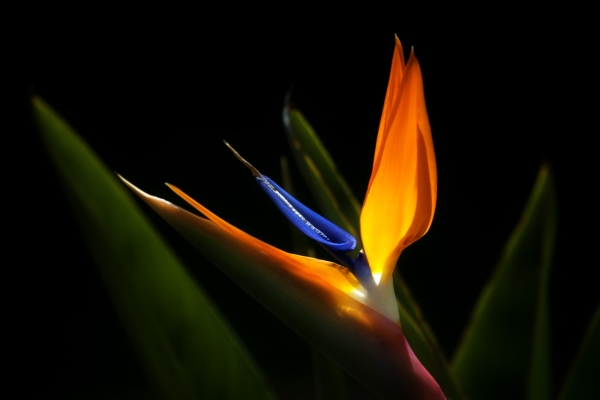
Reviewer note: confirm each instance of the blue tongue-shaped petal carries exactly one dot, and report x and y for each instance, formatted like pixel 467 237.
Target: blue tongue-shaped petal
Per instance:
pixel 329 235
pixel 306 220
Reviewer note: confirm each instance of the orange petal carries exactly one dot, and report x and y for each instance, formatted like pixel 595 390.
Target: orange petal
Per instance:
pixel 401 196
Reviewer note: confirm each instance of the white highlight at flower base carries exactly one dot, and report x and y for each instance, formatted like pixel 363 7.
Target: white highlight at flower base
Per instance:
pixel 377 277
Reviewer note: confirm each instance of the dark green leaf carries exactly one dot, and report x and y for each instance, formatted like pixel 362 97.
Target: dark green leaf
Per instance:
pixel 183 343
pixel 505 351
pixel 582 382
pixel 318 169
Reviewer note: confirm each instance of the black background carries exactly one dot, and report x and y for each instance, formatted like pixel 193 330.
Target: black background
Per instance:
pixel 155 91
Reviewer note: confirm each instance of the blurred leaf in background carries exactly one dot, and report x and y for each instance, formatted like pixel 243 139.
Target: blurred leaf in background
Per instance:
pixel 506 350
pixel 185 346
pixel 582 380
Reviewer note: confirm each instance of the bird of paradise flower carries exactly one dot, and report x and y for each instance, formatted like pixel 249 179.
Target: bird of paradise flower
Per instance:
pixel 347 311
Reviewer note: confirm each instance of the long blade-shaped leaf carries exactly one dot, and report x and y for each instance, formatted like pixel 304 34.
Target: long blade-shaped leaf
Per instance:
pixel 582 382
pixel 505 352
pixel 182 341
pixel 334 196
pixel 539 381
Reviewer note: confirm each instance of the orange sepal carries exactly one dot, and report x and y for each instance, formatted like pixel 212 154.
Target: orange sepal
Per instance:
pixel 401 196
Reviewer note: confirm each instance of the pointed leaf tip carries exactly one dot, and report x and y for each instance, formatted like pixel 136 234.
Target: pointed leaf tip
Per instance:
pixel 144 280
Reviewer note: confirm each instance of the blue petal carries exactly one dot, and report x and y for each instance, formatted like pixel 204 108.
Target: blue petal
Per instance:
pixel 309 222
pixel 362 271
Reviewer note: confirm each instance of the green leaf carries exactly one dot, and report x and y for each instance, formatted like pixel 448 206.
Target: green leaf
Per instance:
pixel 332 193
pixel 183 343
pixel 505 351
pixel 337 202
pixel 582 381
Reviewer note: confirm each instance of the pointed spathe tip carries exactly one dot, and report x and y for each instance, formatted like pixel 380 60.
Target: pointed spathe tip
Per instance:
pixel 148 198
